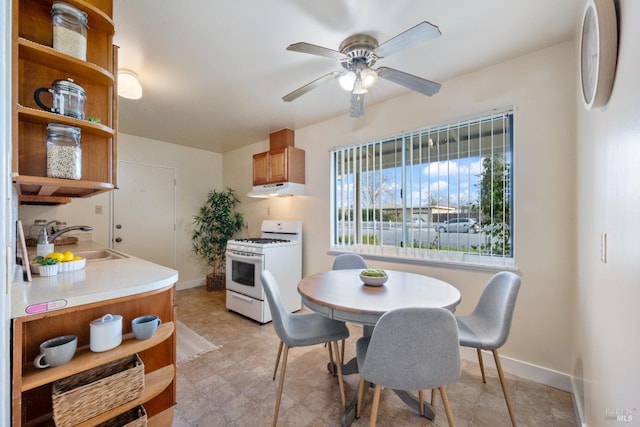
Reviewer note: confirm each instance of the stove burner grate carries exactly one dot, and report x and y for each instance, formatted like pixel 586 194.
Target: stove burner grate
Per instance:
pixel 262 241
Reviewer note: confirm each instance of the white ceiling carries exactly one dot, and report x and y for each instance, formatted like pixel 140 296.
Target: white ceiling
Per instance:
pixel 214 71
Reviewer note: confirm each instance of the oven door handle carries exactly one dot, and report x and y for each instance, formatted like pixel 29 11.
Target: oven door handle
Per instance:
pixel 239 257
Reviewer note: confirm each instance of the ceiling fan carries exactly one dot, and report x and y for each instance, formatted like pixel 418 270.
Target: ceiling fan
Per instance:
pixel 357 54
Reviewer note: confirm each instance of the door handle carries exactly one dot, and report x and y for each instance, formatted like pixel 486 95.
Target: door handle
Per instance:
pixel 118 239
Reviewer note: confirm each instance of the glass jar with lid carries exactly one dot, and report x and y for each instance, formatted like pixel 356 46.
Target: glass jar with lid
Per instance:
pixel 69 30
pixel 36 227
pixel 64 154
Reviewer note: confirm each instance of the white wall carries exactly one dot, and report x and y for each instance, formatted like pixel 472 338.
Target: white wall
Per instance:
pixel 542 87
pixel 607 295
pixel 197 172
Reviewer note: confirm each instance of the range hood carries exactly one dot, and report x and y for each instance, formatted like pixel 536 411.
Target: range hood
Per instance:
pixel 280 189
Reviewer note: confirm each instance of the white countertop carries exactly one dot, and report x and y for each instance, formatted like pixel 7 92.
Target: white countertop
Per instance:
pixel 98 281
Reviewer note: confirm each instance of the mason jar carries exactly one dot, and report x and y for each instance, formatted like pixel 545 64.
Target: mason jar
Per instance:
pixel 69 30
pixel 64 154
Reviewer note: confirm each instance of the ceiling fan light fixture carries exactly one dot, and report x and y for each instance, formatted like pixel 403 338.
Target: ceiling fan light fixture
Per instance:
pixel 347 80
pixel 368 77
pixel 128 85
pixel 358 87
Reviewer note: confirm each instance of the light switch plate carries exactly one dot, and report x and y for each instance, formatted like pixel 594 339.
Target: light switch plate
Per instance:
pixel 603 247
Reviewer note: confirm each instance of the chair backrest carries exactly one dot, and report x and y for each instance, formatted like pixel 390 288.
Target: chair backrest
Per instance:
pixel 413 349
pixel 349 262
pixel 495 306
pixel 279 314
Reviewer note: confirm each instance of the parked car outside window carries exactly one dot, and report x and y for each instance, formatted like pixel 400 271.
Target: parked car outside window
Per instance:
pixel 460 225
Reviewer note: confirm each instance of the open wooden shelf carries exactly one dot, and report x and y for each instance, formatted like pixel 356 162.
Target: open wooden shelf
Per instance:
pixel 45 55
pixel 35 64
pixel 86 359
pixel 32 115
pixel 44 190
pixel 154 384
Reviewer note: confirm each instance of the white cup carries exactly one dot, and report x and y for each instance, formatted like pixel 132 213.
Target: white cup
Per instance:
pixel 145 326
pixel 56 351
pixel 105 333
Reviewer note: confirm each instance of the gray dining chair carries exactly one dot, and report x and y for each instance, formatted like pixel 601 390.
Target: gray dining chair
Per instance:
pixel 488 325
pixel 300 330
pixel 349 262
pixel 410 349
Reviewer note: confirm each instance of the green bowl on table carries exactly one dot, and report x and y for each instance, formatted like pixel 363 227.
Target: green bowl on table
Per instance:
pixel 373 277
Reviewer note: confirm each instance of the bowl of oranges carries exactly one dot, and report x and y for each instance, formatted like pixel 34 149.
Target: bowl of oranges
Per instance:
pixel 66 261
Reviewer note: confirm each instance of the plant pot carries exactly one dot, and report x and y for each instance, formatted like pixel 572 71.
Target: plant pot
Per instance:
pixel 216 282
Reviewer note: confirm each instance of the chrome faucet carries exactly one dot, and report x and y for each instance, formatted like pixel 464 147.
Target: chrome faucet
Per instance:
pixel 44 238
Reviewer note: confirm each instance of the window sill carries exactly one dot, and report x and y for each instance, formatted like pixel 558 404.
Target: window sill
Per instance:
pixel 496 264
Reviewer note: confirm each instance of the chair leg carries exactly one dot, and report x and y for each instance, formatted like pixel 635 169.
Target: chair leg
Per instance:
pixel 481 364
pixel 360 394
pixel 342 353
pixel 280 385
pixel 374 407
pixel 340 378
pixel 433 396
pixel 421 402
pixel 332 364
pixel 505 390
pixel 447 408
pixel 275 370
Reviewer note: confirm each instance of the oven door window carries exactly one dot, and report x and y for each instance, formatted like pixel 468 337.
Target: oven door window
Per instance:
pixel 243 273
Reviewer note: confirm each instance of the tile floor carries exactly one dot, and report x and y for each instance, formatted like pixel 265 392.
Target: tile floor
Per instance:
pixel 232 386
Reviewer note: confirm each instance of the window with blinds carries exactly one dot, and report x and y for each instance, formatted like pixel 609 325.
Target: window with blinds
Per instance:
pixel 441 194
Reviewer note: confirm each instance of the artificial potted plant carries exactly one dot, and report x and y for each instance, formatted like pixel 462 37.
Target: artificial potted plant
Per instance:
pixel 216 223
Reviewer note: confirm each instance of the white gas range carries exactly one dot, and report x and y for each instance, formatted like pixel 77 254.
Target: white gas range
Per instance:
pixel 279 250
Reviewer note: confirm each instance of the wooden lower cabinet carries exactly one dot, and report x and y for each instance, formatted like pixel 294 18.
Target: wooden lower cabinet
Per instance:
pixel 32 403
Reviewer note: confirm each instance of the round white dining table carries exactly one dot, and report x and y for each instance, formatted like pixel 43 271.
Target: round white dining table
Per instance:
pixel 341 295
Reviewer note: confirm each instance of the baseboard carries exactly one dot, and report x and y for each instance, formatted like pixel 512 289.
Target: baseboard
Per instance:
pixel 522 369
pixel 190 284
pixel 578 406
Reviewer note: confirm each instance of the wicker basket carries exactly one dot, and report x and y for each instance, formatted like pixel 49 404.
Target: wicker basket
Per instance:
pixel 87 394
pixel 136 417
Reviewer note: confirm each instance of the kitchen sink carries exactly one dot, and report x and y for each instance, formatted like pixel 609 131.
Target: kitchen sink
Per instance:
pixel 100 255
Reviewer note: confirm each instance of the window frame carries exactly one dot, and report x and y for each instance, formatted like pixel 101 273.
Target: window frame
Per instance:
pixel 402 253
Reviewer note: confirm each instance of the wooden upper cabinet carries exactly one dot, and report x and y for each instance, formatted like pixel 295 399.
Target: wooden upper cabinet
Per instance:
pixel 35 64
pixel 281 165
pixel 261 168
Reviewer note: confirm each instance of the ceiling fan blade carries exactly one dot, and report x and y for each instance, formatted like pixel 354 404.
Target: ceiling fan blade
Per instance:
pixel 420 33
pixel 410 81
pixel 357 104
pixel 316 50
pixel 309 86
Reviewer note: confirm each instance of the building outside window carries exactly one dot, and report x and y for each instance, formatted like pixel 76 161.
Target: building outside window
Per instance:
pixel 438 194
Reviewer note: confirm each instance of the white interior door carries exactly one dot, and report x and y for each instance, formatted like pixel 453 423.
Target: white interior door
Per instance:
pixel 144 212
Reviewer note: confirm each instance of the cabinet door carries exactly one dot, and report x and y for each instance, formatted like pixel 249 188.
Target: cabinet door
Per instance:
pixel 261 168
pixel 278 166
